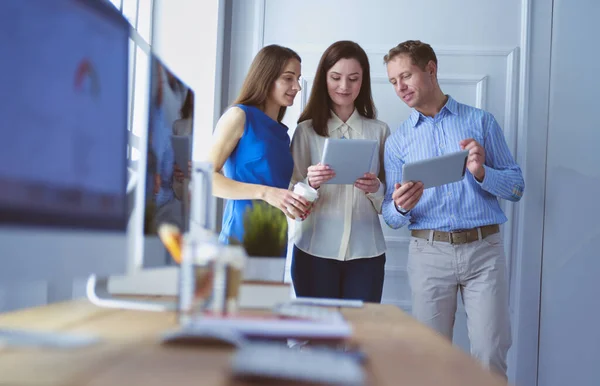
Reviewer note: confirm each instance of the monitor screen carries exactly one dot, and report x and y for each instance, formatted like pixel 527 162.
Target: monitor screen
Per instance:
pixel 63 103
pixel 170 138
pixel 169 152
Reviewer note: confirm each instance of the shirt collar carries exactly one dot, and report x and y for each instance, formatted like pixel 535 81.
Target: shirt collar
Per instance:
pixel 414 118
pixel 355 122
pixel 451 107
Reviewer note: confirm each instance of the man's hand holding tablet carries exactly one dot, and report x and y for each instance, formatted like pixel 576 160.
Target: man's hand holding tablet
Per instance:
pixel 434 172
pixel 407 195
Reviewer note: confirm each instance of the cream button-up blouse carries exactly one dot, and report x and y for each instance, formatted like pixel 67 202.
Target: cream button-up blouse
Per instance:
pixel 344 222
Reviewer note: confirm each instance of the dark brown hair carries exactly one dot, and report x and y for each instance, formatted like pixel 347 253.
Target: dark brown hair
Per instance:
pixel 319 106
pixel 266 67
pixel 420 53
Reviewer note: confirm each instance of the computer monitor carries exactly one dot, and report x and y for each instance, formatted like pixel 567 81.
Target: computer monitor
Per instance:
pixel 64 211
pixel 167 192
pixel 151 270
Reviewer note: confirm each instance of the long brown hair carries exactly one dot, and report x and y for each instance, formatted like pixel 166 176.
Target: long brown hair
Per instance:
pixel 266 67
pixel 319 106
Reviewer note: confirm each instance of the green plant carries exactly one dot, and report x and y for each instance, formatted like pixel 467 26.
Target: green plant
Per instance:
pixel 265 231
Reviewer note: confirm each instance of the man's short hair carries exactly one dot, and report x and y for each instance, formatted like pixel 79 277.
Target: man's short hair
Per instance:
pixel 420 53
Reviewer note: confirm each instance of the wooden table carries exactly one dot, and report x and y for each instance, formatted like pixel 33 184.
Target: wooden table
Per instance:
pixel 400 351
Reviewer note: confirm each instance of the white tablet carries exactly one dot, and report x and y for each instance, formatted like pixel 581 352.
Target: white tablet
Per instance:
pixel 349 158
pixel 437 171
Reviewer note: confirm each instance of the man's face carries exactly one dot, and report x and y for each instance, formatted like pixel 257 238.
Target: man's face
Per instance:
pixel 413 85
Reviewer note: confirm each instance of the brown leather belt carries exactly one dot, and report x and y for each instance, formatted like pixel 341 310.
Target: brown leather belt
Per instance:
pixel 460 237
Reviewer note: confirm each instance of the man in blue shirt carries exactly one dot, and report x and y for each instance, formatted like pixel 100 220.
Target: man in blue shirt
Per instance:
pixel 456 243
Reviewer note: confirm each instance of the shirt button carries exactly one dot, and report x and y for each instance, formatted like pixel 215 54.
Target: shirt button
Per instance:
pixel 450 193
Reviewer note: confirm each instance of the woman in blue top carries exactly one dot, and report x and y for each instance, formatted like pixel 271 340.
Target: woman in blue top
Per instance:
pixel 251 149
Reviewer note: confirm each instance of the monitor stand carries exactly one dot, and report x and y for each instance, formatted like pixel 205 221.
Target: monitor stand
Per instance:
pixel 99 295
pixel 202 218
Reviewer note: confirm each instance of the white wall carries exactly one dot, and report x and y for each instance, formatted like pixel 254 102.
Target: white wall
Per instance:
pixel 569 319
pixel 531 155
pixel 245 38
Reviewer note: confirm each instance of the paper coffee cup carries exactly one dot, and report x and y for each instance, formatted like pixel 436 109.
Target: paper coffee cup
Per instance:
pixel 304 190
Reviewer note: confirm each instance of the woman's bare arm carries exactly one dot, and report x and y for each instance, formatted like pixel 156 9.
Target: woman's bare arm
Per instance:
pixel 229 130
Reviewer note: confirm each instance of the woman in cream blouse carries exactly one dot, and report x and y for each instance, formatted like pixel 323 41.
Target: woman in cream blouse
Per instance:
pixel 339 248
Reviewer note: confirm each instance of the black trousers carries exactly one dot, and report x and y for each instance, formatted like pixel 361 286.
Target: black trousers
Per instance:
pixel 359 279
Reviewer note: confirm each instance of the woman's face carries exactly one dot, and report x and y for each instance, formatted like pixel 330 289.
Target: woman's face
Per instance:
pixel 344 80
pixel 287 85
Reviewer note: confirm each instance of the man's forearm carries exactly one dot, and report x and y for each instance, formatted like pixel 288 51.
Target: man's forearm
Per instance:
pixel 392 217
pixel 507 184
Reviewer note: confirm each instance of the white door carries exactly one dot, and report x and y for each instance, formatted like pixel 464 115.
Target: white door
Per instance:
pixel 477 46
pixel 569 348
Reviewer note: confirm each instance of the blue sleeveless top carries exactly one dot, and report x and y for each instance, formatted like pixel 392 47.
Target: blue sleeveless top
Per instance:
pixel 262 156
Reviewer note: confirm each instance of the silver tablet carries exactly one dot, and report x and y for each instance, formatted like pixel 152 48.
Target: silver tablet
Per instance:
pixel 437 171
pixel 349 158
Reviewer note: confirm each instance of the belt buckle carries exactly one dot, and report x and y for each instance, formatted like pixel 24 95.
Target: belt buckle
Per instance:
pixel 461 237
pixel 451 238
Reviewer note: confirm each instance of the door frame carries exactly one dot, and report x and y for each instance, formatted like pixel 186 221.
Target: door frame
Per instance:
pixel 526 233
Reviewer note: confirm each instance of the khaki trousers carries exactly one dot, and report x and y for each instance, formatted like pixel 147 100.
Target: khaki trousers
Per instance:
pixel 437 271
